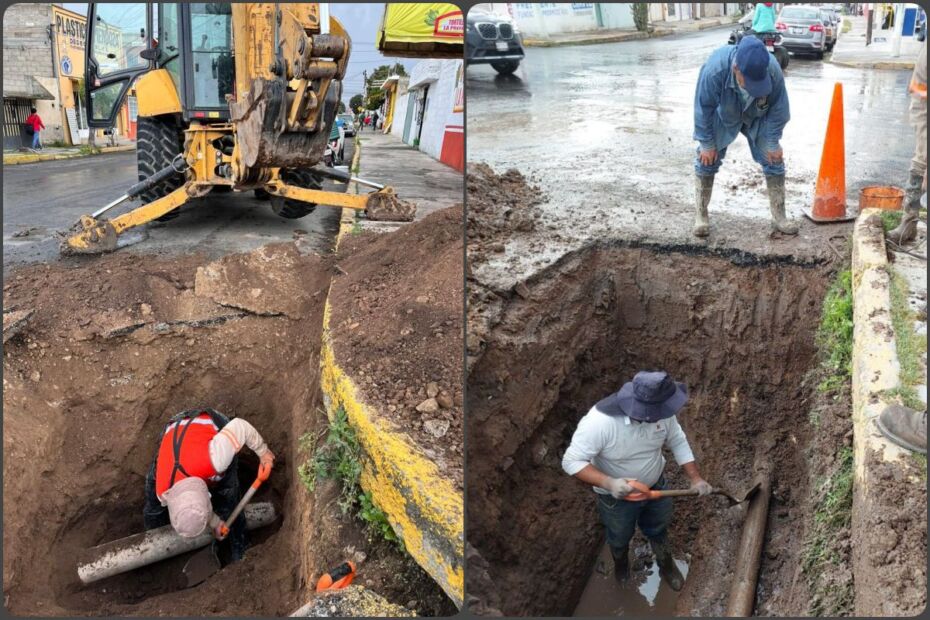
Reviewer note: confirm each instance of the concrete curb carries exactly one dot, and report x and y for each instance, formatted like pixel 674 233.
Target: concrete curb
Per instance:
pixel 875 369
pixel 424 509
pixel 30 158
pixel 896 65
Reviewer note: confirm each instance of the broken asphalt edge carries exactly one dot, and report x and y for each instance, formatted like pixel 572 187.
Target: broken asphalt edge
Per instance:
pixel 30 158
pixel 425 510
pixel 875 369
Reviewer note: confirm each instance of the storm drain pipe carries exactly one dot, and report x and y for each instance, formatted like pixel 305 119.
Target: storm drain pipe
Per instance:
pixel 746 574
pixel 126 554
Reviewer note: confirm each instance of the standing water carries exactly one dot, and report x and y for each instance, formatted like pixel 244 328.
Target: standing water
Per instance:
pixel 644 593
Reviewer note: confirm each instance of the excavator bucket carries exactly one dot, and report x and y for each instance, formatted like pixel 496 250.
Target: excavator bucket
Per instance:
pixel 385 206
pixel 90 236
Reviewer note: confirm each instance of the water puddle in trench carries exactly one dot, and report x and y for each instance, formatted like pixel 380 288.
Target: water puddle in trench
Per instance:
pixel 645 593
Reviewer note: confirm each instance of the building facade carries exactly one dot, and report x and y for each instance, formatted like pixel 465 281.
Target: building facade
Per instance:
pixel 430 116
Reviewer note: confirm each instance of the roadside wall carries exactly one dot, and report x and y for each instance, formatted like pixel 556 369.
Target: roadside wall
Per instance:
pixel 442 136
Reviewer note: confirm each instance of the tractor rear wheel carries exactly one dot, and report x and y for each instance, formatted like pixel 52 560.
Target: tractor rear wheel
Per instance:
pixel 294 209
pixel 158 141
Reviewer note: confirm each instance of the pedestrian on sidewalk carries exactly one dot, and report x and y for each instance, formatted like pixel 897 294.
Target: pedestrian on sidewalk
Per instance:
pixel 916 182
pixel 620 441
pixel 374 120
pixel 193 483
pixel 763 17
pixel 741 89
pixel 35 122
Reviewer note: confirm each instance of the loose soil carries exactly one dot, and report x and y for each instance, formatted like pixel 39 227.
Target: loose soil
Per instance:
pixel 736 326
pixel 116 345
pixel 397 328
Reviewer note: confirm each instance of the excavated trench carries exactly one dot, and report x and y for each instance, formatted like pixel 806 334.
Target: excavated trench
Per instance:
pixel 737 328
pixel 117 346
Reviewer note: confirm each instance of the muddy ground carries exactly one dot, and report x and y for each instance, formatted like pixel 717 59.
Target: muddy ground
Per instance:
pixel 737 326
pixel 397 329
pixel 116 345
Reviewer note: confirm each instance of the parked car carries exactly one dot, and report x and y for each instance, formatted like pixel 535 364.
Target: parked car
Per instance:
pixel 335 152
pixel 802 30
pixel 494 40
pixel 348 125
pixel 830 26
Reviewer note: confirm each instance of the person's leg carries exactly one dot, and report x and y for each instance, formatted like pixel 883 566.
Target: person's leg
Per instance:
pixel 225 496
pixel 654 520
pixel 704 186
pixel 154 515
pixel 35 140
pixel 619 519
pixel 774 181
pixel 907 229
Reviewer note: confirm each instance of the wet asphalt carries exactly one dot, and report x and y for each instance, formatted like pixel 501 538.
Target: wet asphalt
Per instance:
pixel 43 198
pixel 605 132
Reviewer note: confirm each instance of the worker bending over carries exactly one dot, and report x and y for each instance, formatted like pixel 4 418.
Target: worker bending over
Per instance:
pixel 741 89
pixel 193 482
pixel 620 439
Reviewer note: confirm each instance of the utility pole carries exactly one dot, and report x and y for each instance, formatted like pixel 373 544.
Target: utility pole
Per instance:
pixel 898 30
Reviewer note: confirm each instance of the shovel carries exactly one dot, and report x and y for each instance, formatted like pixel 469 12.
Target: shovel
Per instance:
pixel 644 493
pixel 205 563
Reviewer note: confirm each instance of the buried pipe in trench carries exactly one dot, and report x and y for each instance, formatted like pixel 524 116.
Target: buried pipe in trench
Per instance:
pixel 138 550
pixel 746 574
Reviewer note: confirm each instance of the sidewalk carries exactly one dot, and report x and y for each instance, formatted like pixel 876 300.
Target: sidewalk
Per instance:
pixel 28 156
pixel 851 50
pixel 414 175
pixel 656 29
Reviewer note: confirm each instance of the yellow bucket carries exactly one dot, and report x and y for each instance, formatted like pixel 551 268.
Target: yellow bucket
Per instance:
pixel 881 197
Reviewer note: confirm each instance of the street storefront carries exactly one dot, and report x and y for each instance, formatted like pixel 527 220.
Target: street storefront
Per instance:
pixel 434 111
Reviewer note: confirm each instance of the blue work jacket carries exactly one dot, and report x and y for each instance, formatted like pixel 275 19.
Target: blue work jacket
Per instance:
pixel 719 112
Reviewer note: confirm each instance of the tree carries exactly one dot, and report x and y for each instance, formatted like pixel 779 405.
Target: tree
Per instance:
pixel 340 108
pixel 374 95
pixel 641 16
pixel 356 102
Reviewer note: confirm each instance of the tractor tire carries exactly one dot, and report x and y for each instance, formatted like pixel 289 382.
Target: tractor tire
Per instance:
pixel 506 67
pixel 158 141
pixel 294 209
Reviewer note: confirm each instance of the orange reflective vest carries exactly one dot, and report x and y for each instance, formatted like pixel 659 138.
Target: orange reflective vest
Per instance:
pixel 185 452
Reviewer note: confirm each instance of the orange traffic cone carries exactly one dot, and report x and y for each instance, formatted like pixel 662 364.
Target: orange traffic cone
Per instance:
pixel 830 193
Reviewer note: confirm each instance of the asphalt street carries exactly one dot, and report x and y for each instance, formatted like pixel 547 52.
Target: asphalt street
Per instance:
pixel 43 198
pixel 605 131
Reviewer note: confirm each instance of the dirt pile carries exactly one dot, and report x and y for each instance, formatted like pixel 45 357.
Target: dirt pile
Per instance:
pixel 739 332
pixel 115 346
pixel 397 328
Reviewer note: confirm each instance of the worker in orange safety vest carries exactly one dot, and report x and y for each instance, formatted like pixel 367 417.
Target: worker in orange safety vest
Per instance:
pixel 193 482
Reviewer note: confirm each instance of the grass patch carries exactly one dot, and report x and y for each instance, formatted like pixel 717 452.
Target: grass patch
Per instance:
pixel 920 461
pixel 890 219
pixel 339 458
pixel 832 515
pixel 87 149
pixel 904 395
pixel 910 348
pixel 835 333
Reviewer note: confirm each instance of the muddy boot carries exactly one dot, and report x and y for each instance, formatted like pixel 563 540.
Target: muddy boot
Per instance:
pixel 667 568
pixel 907 229
pixel 776 189
pixel 904 427
pixel 702 190
pixel 621 564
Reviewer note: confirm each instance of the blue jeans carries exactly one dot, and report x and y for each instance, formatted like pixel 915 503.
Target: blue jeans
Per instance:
pixel 758 154
pixel 620 518
pixel 36 140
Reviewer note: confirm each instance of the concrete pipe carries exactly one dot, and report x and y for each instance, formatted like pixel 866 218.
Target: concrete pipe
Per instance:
pixel 126 554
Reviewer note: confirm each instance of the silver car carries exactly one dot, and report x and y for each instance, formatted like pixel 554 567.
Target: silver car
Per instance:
pixel 830 26
pixel 802 30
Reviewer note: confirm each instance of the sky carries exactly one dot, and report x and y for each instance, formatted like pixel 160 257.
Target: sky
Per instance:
pixel 361 21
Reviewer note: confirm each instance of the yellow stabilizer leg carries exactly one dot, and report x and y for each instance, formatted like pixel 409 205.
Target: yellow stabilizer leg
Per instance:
pixel 99 236
pixel 382 205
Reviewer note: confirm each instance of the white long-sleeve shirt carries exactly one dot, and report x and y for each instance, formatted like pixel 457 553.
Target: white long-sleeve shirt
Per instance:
pixel 226 443
pixel 625 448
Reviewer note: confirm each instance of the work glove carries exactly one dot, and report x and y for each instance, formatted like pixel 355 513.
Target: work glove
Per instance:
pixel 267 459
pixel 618 487
pixel 702 487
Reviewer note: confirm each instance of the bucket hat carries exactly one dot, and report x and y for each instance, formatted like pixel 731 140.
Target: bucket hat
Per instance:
pixel 651 396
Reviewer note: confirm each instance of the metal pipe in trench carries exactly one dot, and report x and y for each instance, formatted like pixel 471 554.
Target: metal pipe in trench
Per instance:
pixel 126 554
pixel 746 574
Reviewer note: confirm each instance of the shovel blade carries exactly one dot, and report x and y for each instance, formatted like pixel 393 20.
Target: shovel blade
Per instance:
pixel 201 566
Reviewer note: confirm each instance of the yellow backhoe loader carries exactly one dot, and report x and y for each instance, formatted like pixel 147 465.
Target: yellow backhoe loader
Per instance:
pixel 229 96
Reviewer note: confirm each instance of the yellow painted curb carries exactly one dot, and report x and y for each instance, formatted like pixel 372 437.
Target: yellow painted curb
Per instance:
pixel 875 368
pixel 30 158
pixel 425 509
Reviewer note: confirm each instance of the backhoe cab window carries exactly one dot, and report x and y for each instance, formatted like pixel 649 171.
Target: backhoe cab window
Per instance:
pixel 211 43
pixel 119 36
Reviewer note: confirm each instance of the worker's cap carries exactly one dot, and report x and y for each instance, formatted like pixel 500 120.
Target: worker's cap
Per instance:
pixel 752 59
pixel 649 397
pixel 189 506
